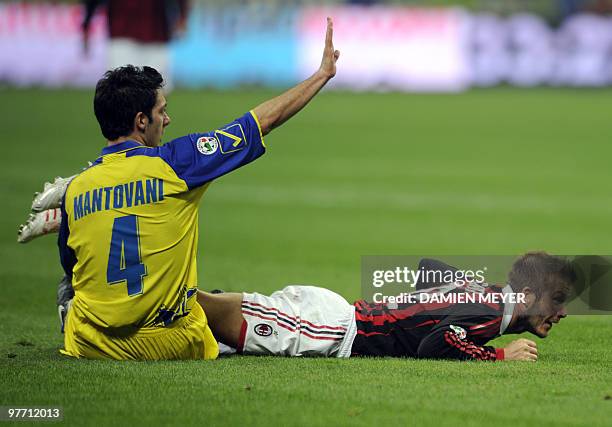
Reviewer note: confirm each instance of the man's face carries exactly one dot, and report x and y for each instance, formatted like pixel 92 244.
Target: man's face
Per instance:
pixel 159 120
pixel 547 310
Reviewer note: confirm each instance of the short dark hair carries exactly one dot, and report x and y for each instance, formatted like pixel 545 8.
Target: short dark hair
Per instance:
pixel 121 94
pixel 540 272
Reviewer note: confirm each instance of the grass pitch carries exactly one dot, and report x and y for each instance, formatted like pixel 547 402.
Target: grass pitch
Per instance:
pixel 487 172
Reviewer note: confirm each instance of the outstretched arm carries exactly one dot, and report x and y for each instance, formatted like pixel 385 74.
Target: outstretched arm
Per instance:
pixel 276 111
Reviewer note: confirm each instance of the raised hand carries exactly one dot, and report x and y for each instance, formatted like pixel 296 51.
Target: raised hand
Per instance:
pixel 277 111
pixel 330 55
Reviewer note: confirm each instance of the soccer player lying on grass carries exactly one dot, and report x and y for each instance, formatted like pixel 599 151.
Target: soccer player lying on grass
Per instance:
pixel 128 229
pixel 311 321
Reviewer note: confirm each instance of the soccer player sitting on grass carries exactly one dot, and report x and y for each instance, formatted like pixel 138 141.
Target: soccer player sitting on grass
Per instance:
pixel 129 223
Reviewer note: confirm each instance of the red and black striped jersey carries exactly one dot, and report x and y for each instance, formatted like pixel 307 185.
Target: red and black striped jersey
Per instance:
pixel 441 329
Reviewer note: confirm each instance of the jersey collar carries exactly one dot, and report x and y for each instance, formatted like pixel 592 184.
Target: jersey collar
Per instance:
pixel 125 145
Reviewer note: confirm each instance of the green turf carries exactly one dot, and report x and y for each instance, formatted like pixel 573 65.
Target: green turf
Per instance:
pixel 488 172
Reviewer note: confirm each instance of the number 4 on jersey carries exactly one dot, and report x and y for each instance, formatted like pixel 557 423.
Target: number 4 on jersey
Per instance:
pixel 124 262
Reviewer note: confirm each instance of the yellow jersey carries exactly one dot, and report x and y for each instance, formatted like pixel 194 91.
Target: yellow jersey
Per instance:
pixel 129 231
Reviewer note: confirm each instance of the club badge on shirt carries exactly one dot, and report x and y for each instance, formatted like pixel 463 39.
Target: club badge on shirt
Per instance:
pixel 207 145
pixel 263 330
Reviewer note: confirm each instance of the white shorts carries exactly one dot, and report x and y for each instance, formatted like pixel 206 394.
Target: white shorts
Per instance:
pixel 297 321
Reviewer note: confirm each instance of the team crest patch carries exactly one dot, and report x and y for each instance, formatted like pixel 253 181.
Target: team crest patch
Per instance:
pixel 263 330
pixel 207 145
pixel 459 331
pixel 231 138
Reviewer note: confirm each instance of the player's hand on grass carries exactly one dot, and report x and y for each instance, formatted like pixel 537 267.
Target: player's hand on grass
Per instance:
pixel 330 55
pixel 521 349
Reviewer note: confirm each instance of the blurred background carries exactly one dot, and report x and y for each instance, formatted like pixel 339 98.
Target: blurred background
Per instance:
pixel 470 127
pixel 473 127
pixel 398 45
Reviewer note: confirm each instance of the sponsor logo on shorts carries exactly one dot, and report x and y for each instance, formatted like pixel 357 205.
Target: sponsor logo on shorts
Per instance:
pixel 459 331
pixel 263 330
pixel 207 145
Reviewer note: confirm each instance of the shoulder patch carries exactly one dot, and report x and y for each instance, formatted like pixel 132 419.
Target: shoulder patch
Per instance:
pixel 207 145
pixel 459 331
pixel 231 138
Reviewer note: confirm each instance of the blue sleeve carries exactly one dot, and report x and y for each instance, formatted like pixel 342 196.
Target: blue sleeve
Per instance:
pixel 201 157
pixel 67 255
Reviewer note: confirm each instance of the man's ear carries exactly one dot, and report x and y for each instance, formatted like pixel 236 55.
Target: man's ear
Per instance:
pixel 530 297
pixel 141 122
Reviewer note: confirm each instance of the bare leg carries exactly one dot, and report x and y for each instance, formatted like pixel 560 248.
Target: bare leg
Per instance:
pixel 224 313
